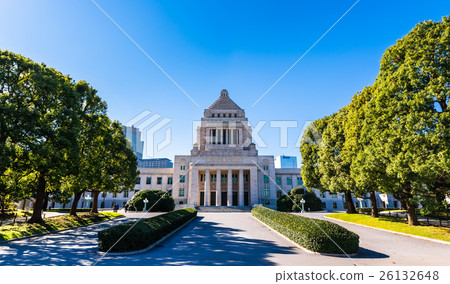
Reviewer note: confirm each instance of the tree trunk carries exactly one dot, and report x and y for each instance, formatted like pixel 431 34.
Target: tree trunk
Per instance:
pixel 2 205
pixel 76 198
pixel 44 207
pixel 38 204
pixel 402 201
pixel 411 213
pixel 95 194
pixel 373 200
pixel 350 206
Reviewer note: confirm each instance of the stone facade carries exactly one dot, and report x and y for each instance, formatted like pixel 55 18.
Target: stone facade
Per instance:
pixel 224 169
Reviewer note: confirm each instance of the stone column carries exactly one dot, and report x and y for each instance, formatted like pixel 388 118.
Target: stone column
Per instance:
pixel 193 198
pixel 241 188
pixel 230 189
pixel 218 188
pixel 254 192
pixel 207 182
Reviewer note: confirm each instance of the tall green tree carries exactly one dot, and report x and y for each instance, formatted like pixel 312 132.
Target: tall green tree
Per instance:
pixel 309 149
pixel 332 164
pixel 117 170
pixel 409 114
pixel 44 107
pixel 365 175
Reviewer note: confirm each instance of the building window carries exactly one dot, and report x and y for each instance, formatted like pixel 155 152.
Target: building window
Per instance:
pixel 278 179
pixel 333 195
pixel 299 181
pixel 334 205
pixel 159 180
pixel 182 178
pixel 181 192
pixel 322 195
pixel 266 168
pixel 266 192
pixel 149 180
pixel 202 177
pixel 213 177
pixel 245 178
pixel 125 193
pixel 114 195
pixel 234 177
pixel 182 167
pixel 138 180
pixel 266 179
pixel 224 177
pixel 169 180
pixel 289 180
pixel 279 193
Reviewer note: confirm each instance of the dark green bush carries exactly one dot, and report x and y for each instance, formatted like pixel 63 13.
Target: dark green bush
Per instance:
pixel 289 202
pixel 312 234
pixel 143 233
pixel 158 201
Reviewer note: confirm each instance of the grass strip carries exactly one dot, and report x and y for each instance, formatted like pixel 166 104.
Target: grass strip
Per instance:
pixel 395 224
pixel 51 224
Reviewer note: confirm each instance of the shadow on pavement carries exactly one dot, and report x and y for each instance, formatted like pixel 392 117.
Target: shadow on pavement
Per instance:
pixel 205 243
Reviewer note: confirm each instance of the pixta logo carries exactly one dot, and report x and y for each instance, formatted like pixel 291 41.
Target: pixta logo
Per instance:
pixel 149 124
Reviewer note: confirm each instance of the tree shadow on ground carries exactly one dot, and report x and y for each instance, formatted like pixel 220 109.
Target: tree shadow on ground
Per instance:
pixel 71 247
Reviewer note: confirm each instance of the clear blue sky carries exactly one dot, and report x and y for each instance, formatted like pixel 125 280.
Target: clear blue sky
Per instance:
pixel 243 46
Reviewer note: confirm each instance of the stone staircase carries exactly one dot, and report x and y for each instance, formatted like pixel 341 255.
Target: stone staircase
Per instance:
pixel 224 209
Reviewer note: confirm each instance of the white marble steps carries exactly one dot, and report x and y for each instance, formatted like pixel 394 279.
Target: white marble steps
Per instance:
pixel 220 209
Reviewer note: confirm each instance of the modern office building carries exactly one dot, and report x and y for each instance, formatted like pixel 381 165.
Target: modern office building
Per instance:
pixel 133 135
pixel 286 162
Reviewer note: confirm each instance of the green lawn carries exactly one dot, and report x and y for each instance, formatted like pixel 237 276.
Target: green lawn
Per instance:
pixel 53 224
pixel 20 213
pixel 395 224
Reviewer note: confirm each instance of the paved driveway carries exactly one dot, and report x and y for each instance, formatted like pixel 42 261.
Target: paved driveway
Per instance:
pixel 223 239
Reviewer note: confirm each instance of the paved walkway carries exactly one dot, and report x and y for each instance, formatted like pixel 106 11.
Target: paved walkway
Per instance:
pixel 222 239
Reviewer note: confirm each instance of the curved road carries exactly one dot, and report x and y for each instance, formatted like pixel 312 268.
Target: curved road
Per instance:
pixel 221 239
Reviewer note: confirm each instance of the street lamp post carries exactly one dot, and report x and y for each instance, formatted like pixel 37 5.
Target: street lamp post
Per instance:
pixel 303 204
pixel 87 198
pixel 360 202
pixel 145 204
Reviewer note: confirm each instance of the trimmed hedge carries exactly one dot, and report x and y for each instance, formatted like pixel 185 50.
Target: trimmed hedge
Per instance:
pixel 144 232
pixel 309 233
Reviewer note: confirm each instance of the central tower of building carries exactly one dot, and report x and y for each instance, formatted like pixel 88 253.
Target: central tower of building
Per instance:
pixel 224 168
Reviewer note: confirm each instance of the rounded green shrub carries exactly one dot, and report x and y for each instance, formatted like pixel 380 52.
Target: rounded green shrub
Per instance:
pixel 158 201
pixel 291 201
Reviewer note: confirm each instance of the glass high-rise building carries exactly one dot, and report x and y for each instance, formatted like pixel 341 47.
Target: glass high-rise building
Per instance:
pixel 133 135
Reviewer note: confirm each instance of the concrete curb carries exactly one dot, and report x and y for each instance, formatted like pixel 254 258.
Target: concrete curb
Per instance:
pixel 393 232
pixel 101 253
pixel 58 231
pixel 303 248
